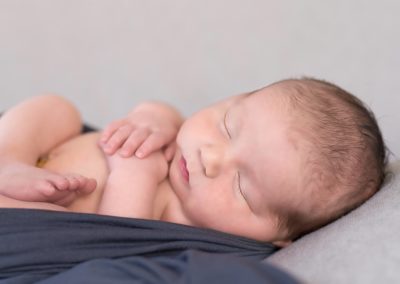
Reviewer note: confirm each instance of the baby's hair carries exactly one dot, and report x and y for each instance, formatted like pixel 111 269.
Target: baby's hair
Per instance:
pixel 346 155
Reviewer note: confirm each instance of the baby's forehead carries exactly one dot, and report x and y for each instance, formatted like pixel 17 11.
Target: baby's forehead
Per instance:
pixel 301 102
pixel 275 101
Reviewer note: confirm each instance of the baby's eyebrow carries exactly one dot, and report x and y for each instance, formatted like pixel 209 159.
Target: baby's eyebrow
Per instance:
pixel 235 105
pixel 241 98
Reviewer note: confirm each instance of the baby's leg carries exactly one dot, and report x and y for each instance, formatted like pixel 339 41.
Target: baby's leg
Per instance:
pixel 34 127
pixel 6 202
pixel 27 132
pixel 29 183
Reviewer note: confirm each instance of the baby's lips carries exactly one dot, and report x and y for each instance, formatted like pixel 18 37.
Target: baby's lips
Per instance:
pixel 184 169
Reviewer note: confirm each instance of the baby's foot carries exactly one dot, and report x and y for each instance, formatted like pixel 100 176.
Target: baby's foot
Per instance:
pixel 28 183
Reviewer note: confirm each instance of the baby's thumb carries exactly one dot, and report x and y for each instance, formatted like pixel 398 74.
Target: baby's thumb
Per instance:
pixel 170 151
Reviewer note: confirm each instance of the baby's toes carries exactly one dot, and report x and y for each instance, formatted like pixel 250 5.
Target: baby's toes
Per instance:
pixel 90 186
pixel 60 182
pixel 74 182
pixel 80 183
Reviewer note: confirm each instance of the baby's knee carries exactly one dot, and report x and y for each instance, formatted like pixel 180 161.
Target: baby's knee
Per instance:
pixel 60 105
pixel 56 102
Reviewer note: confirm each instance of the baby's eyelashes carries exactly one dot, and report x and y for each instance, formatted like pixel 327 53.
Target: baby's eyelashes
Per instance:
pixel 225 125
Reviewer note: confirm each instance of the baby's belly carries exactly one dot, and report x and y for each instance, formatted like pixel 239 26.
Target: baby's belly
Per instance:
pixel 81 155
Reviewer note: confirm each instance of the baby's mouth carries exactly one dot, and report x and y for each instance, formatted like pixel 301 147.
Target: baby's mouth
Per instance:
pixel 183 169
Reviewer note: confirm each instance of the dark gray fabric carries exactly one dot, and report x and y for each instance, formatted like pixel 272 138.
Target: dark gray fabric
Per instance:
pixel 39 243
pixel 189 267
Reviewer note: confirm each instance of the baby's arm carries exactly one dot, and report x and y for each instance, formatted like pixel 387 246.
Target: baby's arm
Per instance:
pixel 132 184
pixel 148 127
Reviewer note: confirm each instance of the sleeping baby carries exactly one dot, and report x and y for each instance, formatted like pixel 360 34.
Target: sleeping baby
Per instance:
pixel 269 165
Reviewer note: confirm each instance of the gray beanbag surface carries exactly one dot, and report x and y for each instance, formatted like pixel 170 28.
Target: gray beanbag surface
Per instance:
pixel 361 247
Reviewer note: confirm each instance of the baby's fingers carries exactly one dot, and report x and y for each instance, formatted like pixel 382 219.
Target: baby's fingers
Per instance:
pixel 133 142
pixel 117 139
pixel 153 143
pixel 109 130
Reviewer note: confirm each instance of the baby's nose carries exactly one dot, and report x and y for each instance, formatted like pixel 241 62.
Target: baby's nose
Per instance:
pixel 211 158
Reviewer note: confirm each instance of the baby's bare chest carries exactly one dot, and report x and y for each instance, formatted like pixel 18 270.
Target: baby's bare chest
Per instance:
pixel 81 155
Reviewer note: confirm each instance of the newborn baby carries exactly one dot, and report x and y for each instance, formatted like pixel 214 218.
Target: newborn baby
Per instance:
pixel 270 165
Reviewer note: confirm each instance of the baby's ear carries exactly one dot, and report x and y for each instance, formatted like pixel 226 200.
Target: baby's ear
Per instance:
pixel 282 244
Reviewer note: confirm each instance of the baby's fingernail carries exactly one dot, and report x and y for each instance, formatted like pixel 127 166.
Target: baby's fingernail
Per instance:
pixel 139 153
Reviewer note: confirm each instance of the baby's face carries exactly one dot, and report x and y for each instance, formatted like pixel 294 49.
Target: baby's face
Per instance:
pixel 240 166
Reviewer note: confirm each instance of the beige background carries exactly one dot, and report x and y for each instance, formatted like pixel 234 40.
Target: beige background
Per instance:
pixel 107 55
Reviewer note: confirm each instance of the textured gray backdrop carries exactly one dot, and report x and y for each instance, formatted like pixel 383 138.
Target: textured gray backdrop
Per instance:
pixel 107 55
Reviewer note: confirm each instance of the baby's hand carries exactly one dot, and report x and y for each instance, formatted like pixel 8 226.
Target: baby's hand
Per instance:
pixel 147 129
pixel 155 165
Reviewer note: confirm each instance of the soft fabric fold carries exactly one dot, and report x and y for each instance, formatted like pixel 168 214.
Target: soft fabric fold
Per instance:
pixel 48 242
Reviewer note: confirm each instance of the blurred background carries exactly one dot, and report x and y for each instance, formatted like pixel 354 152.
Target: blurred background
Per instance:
pixel 108 55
